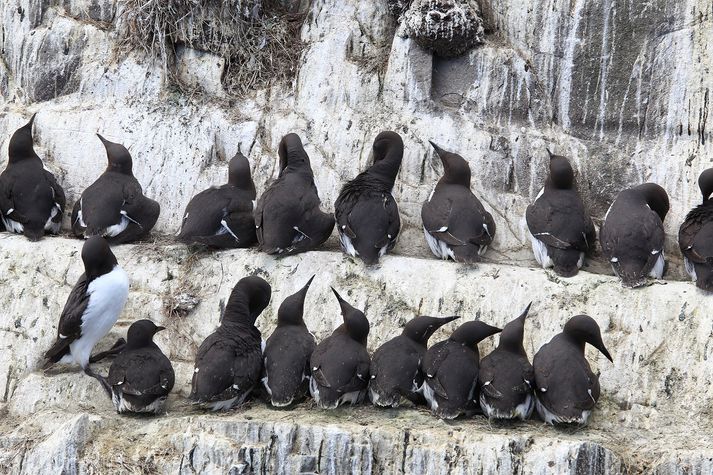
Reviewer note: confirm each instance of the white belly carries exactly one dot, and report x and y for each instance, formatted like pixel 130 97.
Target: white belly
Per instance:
pixel 690 269
pixel 439 248
pixel 430 396
pixel 521 411
pixel 122 405
pixel 107 296
pixel 51 226
pixel 540 251
pixel 552 418
pixel 347 245
pixel 657 269
pixel 12 226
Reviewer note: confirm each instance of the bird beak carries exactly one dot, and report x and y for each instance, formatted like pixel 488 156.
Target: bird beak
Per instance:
pixel 605 352
pixel 158 329
pixel 436 148
pixel 526 311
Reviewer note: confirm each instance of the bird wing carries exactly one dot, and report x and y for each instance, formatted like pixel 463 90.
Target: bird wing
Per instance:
pixel 558 219
pixel 70 322
pixel 7 203
pixel 213 375
pixel 142 372
pixel 487 376
pixel 58 194
pixel 695 237
pixel 457 218
pixel 435 356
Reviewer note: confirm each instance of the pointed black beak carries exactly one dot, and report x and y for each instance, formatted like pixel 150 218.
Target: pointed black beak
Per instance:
pixel 309 282
pixel 336 294
pixel 448 319
pixel 158 329
pixel 604 351
pixel 32 121
pixel 526 311
pixel 550 153
pixel 343 304
pixel 438 149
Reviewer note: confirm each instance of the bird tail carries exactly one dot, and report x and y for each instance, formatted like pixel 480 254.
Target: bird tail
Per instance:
pixel 57 352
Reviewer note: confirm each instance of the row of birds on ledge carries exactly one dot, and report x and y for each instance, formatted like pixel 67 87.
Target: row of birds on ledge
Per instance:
pixel 233 362
pixel 287 218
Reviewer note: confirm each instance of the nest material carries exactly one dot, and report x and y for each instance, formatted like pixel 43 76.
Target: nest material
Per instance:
pixel 446 27
pixel 259 39
pixel 398 7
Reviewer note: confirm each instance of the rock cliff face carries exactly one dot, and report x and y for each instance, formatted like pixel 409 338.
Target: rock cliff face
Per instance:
pixel 621 87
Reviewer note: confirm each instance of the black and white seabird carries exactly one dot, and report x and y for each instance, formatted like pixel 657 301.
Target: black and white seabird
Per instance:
pixel 92 308
pixel 288 219
pixel 340 363
pixel 566 389
pixel 632 235
pixel 31 200
pixel 367 215
pixel 229 361
pixel 696 236
pixel 222 216
pixel 561 231
pixel 451 367
pixel 287 353
pixel 141 376
pixel 455 223
pixel 506 376
pixel 114 206
pixel 396 365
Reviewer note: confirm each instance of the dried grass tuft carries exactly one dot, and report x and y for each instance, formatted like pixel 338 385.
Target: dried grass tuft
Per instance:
pixel 259 39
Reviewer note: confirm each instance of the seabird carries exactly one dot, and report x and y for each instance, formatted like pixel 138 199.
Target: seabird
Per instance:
pixel 288 351
pixel 31 201
pixel 455 223
pixel 229 362
pixel 451 367
pixel 288 219
pixel 340 363
pixel 561 231
pixel 396 365
pixel 566 389
pixel 114 206
pixel 367 215
pixel 632 235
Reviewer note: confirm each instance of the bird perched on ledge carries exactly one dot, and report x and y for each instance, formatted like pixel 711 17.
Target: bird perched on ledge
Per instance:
pixel 566 388
pixel 31 200
pixel 288 219
pixel 92 308
pixel 141 377
pixel 367 215
pixel 288 351
pixel 340 363
pixel 114 206
pixel 506 376
pixel 222 216
pixel 561 231
pixel 633 236
pixel 396 365
pixel 695 237
pixel 229 362
pixel 455 222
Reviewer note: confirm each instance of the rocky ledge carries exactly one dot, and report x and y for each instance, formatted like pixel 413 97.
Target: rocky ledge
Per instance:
pixel 655 395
